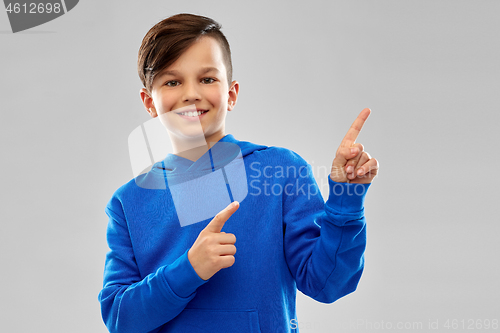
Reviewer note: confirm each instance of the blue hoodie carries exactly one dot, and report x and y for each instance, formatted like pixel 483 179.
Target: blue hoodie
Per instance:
pixel 287 238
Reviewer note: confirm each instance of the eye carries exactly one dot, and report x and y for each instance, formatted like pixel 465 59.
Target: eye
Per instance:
pixel 210 80
pixel 170 83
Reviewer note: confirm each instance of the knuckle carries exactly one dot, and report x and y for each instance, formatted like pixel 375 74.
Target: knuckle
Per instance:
pixel 211 252
pixel 346 152
pixel 213 262
pixel 202 239
pixel 217 218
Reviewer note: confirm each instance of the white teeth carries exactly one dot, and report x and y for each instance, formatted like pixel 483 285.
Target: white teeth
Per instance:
pixel 192 113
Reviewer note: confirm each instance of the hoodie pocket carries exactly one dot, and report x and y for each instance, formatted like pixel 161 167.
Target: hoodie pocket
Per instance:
pixel 211 321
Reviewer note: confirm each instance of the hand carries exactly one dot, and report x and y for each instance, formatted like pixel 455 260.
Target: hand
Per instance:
pixel 352 164
pixel 214 250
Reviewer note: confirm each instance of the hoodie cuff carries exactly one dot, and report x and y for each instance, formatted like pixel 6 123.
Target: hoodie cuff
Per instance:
pixel 346 197
pixel 182 278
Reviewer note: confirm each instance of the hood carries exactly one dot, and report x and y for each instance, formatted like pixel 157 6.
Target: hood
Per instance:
pixel 226 152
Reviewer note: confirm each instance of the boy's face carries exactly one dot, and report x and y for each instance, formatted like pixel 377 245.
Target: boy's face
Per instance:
pixel 197 78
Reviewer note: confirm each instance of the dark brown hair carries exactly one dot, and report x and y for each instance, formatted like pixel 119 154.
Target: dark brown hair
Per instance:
pixel 169 39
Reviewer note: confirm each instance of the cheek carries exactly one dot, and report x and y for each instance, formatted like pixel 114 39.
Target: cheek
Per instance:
pixel 165 103
pixel 216 97
pixel 214 93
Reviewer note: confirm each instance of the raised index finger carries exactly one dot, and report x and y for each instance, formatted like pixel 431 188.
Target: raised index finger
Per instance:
pixel 220 219
pixel 357 125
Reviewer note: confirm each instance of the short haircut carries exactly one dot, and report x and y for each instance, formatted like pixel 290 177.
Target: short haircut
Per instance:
pixel 169 39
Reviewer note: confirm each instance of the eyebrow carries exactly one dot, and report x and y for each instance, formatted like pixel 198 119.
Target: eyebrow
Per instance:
pixel 202 71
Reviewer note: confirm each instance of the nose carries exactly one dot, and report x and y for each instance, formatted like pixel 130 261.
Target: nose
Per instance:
pixel 191 92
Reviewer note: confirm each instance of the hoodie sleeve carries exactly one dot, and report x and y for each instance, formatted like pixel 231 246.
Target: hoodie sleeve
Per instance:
pixel 324 242
pixel 130 302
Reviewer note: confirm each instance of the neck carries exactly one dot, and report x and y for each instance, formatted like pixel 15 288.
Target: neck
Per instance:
pixel 194 147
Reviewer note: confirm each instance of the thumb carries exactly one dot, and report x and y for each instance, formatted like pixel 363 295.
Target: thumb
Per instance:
pixel 220 219
pixel 344 154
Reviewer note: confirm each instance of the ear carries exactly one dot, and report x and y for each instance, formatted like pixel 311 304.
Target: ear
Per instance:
pixel 233 95
pixel 147 100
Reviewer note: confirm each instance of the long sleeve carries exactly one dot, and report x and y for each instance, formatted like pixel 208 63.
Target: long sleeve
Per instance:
pixel 131 303
pixel 325 242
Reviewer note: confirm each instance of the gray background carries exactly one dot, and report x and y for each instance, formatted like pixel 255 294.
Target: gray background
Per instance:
pixel 429 70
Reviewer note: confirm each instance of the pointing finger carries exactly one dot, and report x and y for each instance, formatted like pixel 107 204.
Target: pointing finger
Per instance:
pixel 357 125
pixel 220 219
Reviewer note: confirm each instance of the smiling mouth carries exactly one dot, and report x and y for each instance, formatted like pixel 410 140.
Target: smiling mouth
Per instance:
pixel 192 113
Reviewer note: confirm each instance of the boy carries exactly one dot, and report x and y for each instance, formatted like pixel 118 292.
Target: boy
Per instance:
pixel 163 277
